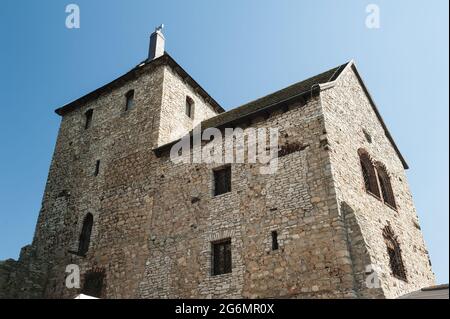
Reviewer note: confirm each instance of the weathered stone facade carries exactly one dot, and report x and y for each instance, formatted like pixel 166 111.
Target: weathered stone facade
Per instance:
pixel 155 220
pixel 348 99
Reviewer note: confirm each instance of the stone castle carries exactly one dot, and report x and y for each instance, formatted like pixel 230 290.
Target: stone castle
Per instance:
pixel 337 219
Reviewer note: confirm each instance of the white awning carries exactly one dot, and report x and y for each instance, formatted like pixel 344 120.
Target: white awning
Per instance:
pixel 81 296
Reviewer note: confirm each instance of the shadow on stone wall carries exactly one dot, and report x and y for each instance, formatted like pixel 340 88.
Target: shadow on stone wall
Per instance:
pixel 359 254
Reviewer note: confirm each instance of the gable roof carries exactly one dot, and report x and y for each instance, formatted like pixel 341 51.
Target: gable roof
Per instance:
pixel 352 65
pixel 144 66
pixel 288 95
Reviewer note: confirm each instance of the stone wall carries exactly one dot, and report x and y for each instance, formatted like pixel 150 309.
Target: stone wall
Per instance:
pixel 348 113
pixel 22 278
pixel 298 202
pixel 155 220
pixel 119 196
pixel 121 140
pixel 174 123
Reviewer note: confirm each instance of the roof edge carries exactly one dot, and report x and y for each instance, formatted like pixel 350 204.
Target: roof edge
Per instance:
pixel 268 108
pixel 164 59
pixel 330 84
pixel 312 91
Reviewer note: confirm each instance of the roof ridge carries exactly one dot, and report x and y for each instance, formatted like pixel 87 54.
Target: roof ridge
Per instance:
pixel 335 69
pixel 339 70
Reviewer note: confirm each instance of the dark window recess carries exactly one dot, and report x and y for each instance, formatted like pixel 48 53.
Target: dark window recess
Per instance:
pixel 274 240
pixel 221 257
pixel 190 107
pixel 367 136
pixel 222 180
pixel 369 175
pixel 85 236
pixel 394 253
pixel 377 180
pixel 64 193
pixel 93 283
pixel 290 148
pixel 88 119
pixel 129 100
pixel 385 186
pixel 416 224
pixel 97 168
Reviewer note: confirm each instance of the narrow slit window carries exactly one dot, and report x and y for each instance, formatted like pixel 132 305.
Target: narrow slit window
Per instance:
pixel 88 119
pixel 97 168
pixel 275 240
pixel 221 252
pixel 129 100
pixel 85 235
pixel 190 107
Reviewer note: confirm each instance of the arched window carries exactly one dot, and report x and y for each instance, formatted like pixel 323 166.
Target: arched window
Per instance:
pixel 368 172
pixel 394 253
pixel 85 236
pixel 129 102
pixel 385 186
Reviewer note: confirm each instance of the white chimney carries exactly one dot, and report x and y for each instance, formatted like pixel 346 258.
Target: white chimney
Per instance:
pixel 157 40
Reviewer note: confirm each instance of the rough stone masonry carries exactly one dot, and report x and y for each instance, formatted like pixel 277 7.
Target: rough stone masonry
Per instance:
pixel 312 230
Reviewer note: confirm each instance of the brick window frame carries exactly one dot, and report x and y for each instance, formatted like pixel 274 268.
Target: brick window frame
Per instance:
pixel 384 181
pixel 94 282
pixel 369 174
pixel 394 253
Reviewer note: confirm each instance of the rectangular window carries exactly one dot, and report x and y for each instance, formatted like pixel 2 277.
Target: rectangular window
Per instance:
pixel 221 254
pixel 274 240
pixel 88 119
pixel 97 168
pixel 129 100
pixel 222 180
pixel 189 107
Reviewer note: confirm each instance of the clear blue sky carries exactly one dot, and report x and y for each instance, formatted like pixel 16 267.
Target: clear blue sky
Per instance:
pixel 238 51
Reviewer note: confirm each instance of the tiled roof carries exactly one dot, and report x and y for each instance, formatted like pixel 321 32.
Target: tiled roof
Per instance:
pixel 299 88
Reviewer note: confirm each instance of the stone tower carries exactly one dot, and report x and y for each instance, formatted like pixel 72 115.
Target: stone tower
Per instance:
pixel 336 220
